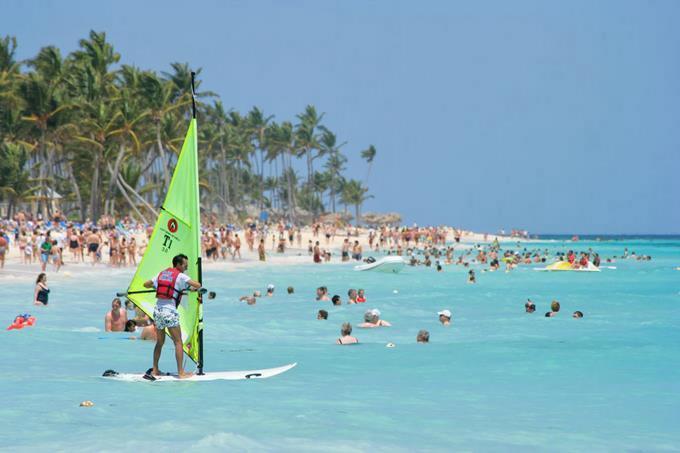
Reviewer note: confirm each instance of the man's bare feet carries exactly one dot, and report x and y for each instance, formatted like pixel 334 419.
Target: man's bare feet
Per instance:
pixel 156 372
pixel 184 374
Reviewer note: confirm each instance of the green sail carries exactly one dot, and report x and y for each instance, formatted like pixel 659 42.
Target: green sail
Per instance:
pixel 177 230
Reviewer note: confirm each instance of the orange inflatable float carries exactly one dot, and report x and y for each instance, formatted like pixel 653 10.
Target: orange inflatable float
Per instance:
pixel 22 321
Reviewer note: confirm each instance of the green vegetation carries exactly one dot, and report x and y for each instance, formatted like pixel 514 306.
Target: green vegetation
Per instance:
pixel 105 137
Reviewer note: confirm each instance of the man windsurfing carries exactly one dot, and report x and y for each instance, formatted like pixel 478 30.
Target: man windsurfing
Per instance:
pixel 169 285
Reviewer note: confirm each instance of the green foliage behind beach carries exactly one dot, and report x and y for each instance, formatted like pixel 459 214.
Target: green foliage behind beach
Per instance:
pixel 102 137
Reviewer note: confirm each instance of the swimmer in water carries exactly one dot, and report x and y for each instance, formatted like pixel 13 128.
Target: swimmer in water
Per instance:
pixel 250 300
pixel 322 315
pixel 555 308
pixel 529 306
pixel 372 319
pixel 577 314
pixel 423 336
pixel 346 335
pixel 471 277
pixel 445 317
pixel 322 294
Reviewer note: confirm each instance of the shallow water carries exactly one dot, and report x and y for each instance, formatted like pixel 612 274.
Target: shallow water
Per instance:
pixel 497 379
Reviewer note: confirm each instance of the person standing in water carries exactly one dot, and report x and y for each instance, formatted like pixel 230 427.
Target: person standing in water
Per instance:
pixel 261 250
pixel 169 285
pixel 4 245
pixel 42 292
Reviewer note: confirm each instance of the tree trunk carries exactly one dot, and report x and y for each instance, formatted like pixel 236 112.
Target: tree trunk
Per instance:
pixel 94 187
pixel 161 152
pixel 41 173
pixel 261 179
pixel 137 195
pixel 368 173
pixel 132 205
pixel 76 189
pixel 289 180
pixel 224 181
pixel 108 201
pixel 120 180
pixel 308 155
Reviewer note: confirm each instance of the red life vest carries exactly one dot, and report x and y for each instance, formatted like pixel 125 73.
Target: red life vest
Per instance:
pixel 165 288
pixel 360 299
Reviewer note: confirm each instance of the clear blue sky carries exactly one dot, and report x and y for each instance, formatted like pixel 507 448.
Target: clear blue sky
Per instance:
pixel 556 117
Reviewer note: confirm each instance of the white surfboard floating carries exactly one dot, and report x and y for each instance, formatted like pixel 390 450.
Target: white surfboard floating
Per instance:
pixel 388 264
pixel 209 376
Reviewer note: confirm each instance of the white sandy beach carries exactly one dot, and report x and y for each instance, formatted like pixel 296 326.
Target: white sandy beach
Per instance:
pixel 16 270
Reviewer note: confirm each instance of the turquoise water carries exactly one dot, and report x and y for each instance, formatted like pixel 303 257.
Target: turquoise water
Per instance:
pixel 498 379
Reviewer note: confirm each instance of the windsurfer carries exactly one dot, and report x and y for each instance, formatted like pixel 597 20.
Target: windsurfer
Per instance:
pixel 169 285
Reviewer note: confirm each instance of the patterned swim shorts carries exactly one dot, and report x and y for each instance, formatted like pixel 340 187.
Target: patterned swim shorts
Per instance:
pixel 165 317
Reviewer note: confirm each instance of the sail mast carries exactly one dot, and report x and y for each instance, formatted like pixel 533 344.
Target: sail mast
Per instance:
pixel 198 261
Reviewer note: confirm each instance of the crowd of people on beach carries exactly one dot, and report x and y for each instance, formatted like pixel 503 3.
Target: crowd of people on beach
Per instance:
pixel 122 242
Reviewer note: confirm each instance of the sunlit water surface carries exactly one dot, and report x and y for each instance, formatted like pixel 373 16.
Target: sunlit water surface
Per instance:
pixel 497 379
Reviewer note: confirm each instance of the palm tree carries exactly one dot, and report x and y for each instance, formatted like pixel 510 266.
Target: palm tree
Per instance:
pixel 335 164
pixel 306 137
pixel 93 84
pixel 130 124
pixel 42 92
pixel 15 181
pixel 218 136
pixel 368 155
pixel 258 124
pixel 354 193
pixel 158 96
pixel 10 75
pixel 106 136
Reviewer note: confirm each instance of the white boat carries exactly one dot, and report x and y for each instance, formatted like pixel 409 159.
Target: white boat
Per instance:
pixel 565 266
pixel 389 264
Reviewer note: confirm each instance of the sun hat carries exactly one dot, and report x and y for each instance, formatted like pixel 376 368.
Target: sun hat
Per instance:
pixel 270 286
pixel 446 313
pixel 375 312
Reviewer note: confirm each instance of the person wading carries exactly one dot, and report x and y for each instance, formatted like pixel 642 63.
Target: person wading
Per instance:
pixel 169 285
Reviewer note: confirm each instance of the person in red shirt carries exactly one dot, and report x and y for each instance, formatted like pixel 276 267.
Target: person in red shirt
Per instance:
pixel 571 257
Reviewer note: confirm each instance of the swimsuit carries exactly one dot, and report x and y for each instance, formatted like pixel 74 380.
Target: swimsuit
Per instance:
pixel 92 247
pixel 43 295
